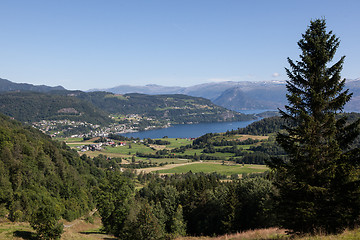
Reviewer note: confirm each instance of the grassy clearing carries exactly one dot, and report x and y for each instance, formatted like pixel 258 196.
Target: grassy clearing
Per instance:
pixel 347 235
pixel 70 140
pixel 10 230
pixel 112 155
pixel 81 230
pixel 269 233
pixel 216 167
pixel 76 230
pixel 126 150
pixel 168 160
pixel 275 233
pixel 75 144
pixel 240 137
pixel 244 137
pixel 118 96
pixel 177 142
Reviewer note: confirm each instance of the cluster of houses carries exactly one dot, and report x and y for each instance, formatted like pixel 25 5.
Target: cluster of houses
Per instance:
pixel 59 127
pixel 99 146
pixel 56 128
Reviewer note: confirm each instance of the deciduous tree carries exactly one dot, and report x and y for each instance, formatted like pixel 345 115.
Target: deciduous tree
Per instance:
pixel 113 202
pixel 45 222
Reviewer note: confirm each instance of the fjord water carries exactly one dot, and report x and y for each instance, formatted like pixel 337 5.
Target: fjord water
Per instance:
pixel 189 130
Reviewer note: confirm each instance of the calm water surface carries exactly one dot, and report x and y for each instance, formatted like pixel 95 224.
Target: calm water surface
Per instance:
pixel 189 130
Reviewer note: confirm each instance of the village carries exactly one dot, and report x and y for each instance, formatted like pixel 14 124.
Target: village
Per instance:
pixel 99 146
pixel 76 129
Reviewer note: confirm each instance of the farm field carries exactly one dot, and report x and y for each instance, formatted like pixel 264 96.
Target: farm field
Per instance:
pixel 132 148
pixel 174 155
pixel 208 167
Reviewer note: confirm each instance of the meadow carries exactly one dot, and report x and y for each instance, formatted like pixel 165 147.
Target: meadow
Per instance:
pixel 144 151
pixel 209 167
pixel 80 229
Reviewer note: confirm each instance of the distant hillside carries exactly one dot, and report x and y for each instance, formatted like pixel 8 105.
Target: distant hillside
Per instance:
pixel 7 86
pixel 354 104
pixel 265 96
pixel 148 89
pixel 32 106
pixel 232 95
pixel 207 90
pixel 273 124
pixel 177 108
pixel 17 101
pixel 238 95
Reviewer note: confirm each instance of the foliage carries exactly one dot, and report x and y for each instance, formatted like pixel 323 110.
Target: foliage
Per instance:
pixel 176 108
pixel 45 221
pixel 6 85
pixel 147 225
pixel 33 168
pixel 112 200
pixel 262 127
pixel 319 180
pixel 32 107
pixel 210 206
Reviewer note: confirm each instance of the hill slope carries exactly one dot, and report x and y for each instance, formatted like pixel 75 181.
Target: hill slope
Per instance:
pixel 34 170
pixel 6 86
pixel 176 108
pixel 31 107
pixel 261 97
pixel 238 95
pixel 20 102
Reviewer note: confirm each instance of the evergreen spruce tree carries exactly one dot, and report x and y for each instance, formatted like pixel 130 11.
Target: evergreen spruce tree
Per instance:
pixel 319 180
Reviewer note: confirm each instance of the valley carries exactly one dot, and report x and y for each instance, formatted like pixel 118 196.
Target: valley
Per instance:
pixel 60 112
pixel 179 120
pixel 230 155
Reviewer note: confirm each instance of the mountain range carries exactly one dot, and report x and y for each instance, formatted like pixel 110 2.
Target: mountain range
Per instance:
pixel 266 95
pixel 30 103
pixel 237 96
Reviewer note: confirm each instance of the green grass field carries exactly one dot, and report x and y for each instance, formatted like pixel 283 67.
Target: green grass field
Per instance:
pixel 69 140
pixel 216 167
pixel 168 160
pixel 125 150
pixel 177 142
pixel 139 147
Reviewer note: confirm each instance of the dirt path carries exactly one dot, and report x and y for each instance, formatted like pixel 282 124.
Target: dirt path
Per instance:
pixel 77 221
pixel 80 229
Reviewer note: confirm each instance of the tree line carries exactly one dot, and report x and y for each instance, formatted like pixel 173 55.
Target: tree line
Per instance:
pixel 185 204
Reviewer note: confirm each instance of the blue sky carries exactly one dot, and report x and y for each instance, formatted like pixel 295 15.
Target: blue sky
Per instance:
pixel 84 44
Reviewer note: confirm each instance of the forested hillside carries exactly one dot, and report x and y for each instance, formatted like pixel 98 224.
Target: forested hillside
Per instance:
pixel 6 86
pixel 36 171
pixel 240 95
pixel 32 106
pixel 177 108
pixel 95 107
